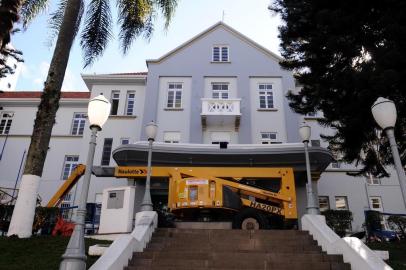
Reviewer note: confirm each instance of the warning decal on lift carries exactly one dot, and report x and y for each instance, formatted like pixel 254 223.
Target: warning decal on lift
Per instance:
pixel 265 207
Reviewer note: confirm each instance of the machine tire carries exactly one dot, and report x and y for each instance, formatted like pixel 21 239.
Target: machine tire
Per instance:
pixel 248 219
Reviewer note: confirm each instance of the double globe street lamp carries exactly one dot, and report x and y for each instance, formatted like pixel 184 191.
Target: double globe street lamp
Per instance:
pixel 150 130
pixel 384 113
pixel 312 207
pixel 74 257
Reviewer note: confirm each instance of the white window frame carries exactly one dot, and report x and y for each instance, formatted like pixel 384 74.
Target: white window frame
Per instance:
pixel 220 59
pixel 176 103
pixel 112 99
pixel 266 137
pixel 373 181
pixel 222 93
pixel 127 103
pixel 79 119
pixel 327 202
pixel 124 141
pixel 222 136
pixel 171 137
pixel 69 165
pixel 371 203
pixel 6 120
pixel 346 202
pixel 267 95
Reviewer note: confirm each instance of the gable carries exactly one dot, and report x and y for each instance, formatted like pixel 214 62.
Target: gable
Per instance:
pixel 220 26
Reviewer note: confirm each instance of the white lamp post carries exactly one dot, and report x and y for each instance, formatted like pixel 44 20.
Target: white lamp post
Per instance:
pixel 151 130
pixel 312 207
pixel 74 257
pixel 384 112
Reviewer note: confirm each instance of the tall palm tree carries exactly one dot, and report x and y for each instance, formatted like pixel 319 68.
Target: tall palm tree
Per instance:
pixel 135 17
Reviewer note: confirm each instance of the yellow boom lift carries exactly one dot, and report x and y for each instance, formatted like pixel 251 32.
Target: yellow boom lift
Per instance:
pixel 253 198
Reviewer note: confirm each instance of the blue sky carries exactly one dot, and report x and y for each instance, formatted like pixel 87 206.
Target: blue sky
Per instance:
pixel 250 17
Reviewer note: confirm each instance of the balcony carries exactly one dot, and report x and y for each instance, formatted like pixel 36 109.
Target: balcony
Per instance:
pixel 221 112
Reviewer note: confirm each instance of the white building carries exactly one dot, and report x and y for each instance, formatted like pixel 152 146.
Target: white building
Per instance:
pixel 183 92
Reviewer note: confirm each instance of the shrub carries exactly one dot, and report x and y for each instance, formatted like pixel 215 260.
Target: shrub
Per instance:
pixel 45 219
pixel 398 222
pixel 338 220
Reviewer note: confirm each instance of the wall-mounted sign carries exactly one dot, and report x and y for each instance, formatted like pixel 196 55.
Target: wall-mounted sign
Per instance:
pixel 130 172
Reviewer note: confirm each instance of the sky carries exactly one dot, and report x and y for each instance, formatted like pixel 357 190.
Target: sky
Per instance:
pixel 250 17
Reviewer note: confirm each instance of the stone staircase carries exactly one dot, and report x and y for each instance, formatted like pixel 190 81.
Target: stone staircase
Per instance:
pixel 183 249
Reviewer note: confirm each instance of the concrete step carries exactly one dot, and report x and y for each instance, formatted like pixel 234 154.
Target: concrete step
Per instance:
pixel 217 249
pixel 269 266
pixel 231 262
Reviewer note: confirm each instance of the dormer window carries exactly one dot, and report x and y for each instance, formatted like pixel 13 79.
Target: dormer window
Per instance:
pixel 220 54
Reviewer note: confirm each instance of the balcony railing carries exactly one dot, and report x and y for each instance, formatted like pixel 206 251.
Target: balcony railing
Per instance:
pixel 220 111
pixel 211 106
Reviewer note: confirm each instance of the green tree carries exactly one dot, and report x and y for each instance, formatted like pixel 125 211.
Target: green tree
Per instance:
pixel 346 54
pixel 135 18
pixel 8 16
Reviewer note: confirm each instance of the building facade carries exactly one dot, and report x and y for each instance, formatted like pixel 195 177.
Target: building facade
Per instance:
pixel 219 86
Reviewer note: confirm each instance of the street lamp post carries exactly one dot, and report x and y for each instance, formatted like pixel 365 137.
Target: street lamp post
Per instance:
pixel 74 257
pixel 312 207
pixel 150 130
pixel 384 112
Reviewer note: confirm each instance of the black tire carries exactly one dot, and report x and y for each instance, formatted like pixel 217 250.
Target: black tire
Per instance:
pixel 250 219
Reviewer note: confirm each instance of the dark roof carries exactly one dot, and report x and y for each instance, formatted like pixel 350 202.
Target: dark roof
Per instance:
pixel 37 94
pixel 130 73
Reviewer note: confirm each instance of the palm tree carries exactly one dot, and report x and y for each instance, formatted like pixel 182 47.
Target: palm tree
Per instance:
pixel 135 17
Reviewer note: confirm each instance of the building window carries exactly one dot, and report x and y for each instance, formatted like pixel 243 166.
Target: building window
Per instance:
pixel 220 54
pixel 174 95
pixel 220 90
pixel 265 96
pixel 125 140
pixel 372 180
pixel 341 203
pixel 69 165
pixel 268 137
pixel 78 123
pixel 315 143
pixel 324 203
pixel 129 110
pixel 67 202
pixel 219 136
pixel 376 203
pixel 336 164
pixel 5 122
pixel 115 98
pixel 171 137
pixel 108 143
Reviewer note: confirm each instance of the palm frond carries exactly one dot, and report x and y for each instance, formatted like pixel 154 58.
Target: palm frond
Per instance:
pixel 56 18
pixel 31 8
pixel 167 8
pixel 97 30
pixel 132 17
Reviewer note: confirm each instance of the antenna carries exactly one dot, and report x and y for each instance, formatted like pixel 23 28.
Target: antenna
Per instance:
pixel 224 14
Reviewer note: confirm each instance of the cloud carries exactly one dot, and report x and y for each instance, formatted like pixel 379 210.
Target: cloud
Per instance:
pixel 38 77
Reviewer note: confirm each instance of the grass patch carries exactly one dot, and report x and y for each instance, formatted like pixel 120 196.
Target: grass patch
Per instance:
pixel 38 252
pixel 397 251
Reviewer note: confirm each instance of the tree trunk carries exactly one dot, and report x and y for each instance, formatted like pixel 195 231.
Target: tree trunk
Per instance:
pixel 23 215
pixel 8 16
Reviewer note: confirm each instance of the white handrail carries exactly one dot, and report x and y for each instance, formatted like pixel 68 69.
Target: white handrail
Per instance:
pixel 353 250
pixel 116 257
